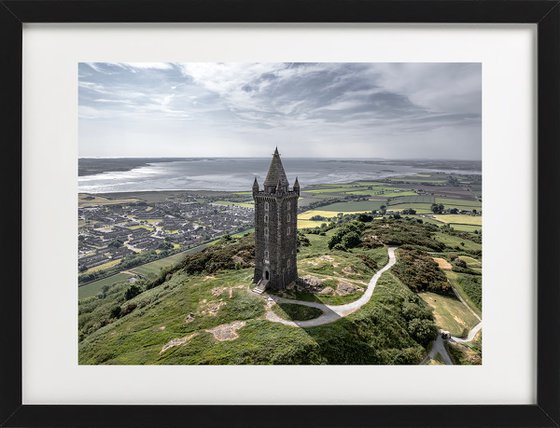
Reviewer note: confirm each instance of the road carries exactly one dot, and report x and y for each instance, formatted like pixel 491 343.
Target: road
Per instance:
pixel 332 313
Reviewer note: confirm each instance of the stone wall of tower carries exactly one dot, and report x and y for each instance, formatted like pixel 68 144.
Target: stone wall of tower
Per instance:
pixel 276 238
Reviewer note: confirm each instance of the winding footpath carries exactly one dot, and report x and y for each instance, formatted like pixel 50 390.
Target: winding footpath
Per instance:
pixel 332 313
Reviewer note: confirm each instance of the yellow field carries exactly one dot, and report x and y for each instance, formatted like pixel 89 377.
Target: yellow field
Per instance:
pixel 442 263
pixel 327 214
pixel 104 266
pixel 98 200
pixel 302 224
pixel 459 219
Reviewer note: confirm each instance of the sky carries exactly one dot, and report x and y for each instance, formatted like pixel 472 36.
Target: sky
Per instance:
pixel 332 110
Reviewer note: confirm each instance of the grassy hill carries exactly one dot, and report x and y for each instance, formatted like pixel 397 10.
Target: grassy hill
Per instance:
pixel 203 312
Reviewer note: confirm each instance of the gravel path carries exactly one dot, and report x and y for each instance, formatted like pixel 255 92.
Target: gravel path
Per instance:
pixel 332 313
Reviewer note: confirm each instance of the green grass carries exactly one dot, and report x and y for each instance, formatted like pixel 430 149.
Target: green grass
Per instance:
pixel 154 268
pixel 347 189
pixel 459 219
pixel 419 199
pixel 469 287
pixel 353 206
pixel 289 311
pixel 450 313
pixel 424 178
pixel 459 203
pixel 466 227
pixel 377 334
pixel 420 208
pixel 93 288
pixel 455 242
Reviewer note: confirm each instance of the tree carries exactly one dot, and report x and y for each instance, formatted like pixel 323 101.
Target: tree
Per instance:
pixel 116 312
pixel 351 240
pixel 437 208
pixel 131 292
pixel 382 209
pixel 422 331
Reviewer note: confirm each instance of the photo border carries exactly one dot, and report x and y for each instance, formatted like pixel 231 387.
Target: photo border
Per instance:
pixel 546 14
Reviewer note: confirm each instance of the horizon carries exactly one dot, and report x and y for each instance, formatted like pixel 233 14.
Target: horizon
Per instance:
pixel 283 157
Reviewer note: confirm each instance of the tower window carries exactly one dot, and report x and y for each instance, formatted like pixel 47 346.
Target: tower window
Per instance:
pixel 266 218
pixel 289 217
pixel 289 229
pixel 288 205
pixel 266 206
pixel 266 231
pixel 266 255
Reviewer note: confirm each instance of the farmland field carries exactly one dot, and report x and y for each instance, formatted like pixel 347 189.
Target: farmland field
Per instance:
pixel 153 268
pixel 303 224
pixel 469 287
pixel 459 219
pixel 414 198
pixel 93 288
pixel 465 227
pixel 450 313
pixel 451 202
pixel 455 242
pixel 420 208
pixel 104 266
pixel 354 206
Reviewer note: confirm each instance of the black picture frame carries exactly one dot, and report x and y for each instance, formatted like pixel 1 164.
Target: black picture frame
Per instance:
pixel 544 13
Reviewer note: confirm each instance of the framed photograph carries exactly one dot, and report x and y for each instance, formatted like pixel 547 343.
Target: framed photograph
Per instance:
pixel 293 213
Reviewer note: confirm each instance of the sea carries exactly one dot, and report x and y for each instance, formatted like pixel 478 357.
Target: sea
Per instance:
pixel 237 174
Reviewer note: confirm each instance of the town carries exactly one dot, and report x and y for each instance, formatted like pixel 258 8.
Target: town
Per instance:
pixel 114 231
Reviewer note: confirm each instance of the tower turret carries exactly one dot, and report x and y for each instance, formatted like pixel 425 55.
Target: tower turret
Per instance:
pixel 296 186
pixel 255 186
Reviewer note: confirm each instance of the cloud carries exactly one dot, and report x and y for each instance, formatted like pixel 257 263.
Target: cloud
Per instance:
pixel 306 105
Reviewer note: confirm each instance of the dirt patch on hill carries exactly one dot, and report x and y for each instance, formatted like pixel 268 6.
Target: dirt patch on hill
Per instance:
pixel 442 263
pixel 177 342
pixel 345 288
pixel 227 331
pixel 211 308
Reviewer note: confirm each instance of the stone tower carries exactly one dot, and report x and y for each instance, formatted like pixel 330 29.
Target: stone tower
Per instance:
pixel 275 229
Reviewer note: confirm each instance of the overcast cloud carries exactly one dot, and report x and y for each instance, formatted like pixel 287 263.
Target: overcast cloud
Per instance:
pixel 321 109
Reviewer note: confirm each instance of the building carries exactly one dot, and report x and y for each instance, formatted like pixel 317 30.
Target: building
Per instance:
pixel 275 229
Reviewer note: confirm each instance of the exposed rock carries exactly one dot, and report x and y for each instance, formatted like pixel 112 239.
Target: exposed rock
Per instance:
pixel 211 309
pixel 189 318
pixel 227 331
pixel 177 342
pixel 348 270
pixel 344 288
pixel 328 291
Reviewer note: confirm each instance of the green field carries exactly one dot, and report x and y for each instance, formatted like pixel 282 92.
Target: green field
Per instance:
pixel 420 208
pixel 353 206
pixel 450 313
pixel 348 189
pixel 419 179
pixel 465 227
pixel 418 199
pixel 459 219
pixel 459 203
pixel 155 267
pixel 469 287
pixel 455 242
pixel 93 288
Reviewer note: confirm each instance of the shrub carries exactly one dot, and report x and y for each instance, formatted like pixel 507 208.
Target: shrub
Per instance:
pixel 132 292
pixel 420 272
